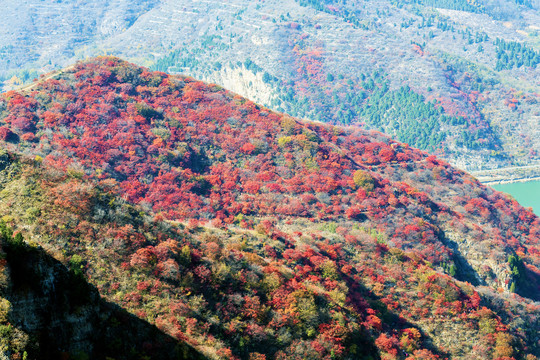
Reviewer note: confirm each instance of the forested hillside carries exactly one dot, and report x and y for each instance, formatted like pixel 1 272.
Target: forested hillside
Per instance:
pixel 244 233
pixel 456 78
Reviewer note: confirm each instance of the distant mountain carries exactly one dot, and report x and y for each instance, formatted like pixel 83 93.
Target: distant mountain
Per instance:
pixel 456 78
pixel 244 233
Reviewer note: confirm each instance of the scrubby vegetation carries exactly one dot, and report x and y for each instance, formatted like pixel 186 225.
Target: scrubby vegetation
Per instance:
pixel 250 234
pixel 457 60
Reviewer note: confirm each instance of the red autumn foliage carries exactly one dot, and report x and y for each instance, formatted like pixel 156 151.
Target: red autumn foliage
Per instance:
pixel 189 152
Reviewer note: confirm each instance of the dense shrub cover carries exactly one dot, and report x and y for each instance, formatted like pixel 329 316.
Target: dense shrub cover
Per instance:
pixel 325 242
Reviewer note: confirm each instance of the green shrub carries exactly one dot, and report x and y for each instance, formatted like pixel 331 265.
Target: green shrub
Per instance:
pixel 363 179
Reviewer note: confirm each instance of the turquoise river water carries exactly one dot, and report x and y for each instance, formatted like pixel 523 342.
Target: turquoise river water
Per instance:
pixel 526 193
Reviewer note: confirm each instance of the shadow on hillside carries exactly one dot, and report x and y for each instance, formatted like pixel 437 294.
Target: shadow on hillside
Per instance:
pixel 389 317
pixel 464 270
pixel 67 319
pixel 530 285
pixel 359 339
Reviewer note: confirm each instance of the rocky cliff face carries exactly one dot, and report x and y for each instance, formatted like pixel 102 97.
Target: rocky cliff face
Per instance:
pixel 49 311
pixel 244 82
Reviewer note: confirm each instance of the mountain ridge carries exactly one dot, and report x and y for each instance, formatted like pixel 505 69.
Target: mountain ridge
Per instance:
pixel 476 63
pixel 200 212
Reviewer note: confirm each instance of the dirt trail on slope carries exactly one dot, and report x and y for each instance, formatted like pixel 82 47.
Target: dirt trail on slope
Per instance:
pixel 51 75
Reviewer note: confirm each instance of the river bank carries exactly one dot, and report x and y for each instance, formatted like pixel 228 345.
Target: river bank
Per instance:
pixel 508 175
pixel 509 181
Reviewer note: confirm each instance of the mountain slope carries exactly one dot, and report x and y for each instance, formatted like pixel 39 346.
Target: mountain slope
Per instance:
pixel 238 229
pixel 464 76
